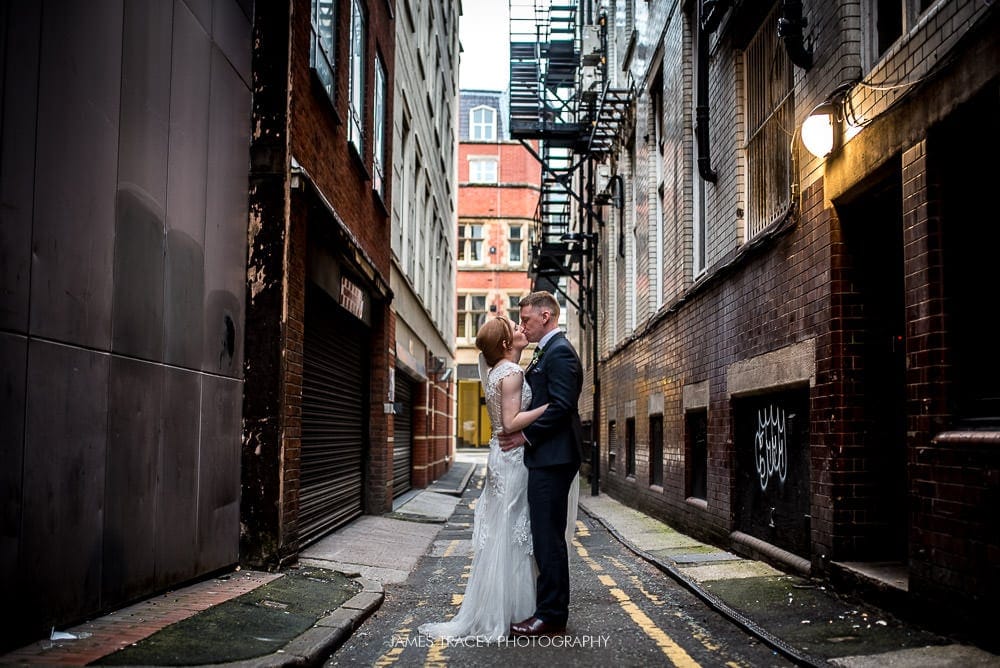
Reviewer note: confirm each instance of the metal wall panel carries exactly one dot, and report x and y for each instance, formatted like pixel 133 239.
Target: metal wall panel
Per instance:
pixel 66 435
pixel 130 487
pixel 137 325
pixel 177 502
pixel 17 159
pixel 187 191
pixel 226 218
pixel 219 473
pixel 13 368
pixel 76 173
pixel 230 28
pixel 202 10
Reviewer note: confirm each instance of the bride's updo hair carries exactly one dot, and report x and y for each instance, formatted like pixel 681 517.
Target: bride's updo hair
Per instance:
pixel 494 339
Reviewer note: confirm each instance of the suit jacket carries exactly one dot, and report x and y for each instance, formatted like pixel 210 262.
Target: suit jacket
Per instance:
pixel 556 437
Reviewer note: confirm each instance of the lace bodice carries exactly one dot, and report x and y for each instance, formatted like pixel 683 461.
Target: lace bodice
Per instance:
pixel 494 399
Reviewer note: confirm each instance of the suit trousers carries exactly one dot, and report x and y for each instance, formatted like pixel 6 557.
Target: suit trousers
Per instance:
pixel 548 489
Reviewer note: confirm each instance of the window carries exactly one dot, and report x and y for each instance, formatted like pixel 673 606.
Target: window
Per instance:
pixel 378 159
pixel 696 445
pixel 630 447
pixel 323 47
pixel 483 124
pixel 698 256
pixel 515 244
pixel 656 229
pixel 483 170
pixel 612 444
pixel 888 20
pixel 513 310
pixel 656 450
pixel 470 242
pixel 471 314
pixel 770 122
pixel 356 124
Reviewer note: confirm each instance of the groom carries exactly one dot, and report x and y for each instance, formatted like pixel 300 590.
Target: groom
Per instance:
pixel 552 454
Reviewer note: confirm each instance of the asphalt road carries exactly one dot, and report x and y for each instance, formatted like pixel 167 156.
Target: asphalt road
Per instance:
pixel 623 612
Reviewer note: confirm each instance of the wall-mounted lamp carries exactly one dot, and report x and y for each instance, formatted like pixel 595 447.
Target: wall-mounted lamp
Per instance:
pixel 822 129
pixel 819 130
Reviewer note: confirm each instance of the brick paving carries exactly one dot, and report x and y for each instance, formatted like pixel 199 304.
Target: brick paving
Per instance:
pixel 102 636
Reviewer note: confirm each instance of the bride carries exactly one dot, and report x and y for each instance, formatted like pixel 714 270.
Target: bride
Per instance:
pixel 501 587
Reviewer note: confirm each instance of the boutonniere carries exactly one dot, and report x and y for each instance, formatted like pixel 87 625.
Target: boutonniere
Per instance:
pixel 536 357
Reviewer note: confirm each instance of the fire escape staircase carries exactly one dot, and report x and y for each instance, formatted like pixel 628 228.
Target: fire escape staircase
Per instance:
pixel 561 103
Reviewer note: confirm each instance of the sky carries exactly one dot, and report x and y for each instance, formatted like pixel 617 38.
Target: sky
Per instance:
pixel 484 33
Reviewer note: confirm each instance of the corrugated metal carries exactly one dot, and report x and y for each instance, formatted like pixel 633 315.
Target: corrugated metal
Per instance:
pixel 334 401
pixel 402 435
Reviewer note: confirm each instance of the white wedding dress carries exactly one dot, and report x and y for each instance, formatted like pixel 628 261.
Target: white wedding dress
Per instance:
pixel 501 587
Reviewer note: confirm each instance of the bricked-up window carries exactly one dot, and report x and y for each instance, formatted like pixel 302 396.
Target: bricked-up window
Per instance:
pixel 630 447
pixel 356 112
pixel 323 47
pixel 770 114
pixel 470 243
pixel 483 123
pixel 483 170
pixel 696 453
pixel 515 244
pixel 471 315
pixel 656 450
pixel 378 147
pixel 612 444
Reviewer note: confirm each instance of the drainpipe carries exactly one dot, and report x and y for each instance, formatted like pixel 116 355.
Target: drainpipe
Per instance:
pixel 790 27
pixel 709 16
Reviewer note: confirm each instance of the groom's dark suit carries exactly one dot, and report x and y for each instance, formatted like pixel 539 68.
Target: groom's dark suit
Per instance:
pixel 552 455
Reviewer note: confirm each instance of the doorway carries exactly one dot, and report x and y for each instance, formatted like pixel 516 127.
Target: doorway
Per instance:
pixel 874 322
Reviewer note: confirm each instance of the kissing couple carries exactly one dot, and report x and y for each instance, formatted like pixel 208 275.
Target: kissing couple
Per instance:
pixel 526 514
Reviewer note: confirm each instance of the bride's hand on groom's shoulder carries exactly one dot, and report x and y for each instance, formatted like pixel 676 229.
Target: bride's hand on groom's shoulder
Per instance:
pixel 511 441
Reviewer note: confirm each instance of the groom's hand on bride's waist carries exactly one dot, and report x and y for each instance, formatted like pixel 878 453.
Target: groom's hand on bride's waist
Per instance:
pixel 511 441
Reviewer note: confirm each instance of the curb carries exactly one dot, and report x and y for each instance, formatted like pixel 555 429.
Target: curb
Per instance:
pixel 313 646
pixel 717 604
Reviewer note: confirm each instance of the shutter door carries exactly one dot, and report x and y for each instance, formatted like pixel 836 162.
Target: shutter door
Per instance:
pixel 334 409
pixel 402 435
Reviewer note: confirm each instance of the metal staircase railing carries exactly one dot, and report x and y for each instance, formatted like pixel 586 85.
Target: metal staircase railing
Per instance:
pixel 560 97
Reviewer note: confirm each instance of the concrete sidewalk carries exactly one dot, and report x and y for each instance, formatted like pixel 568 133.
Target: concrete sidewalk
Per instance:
pixel 300 616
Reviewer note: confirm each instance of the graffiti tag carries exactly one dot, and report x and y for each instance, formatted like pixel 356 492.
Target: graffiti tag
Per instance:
pixel 771 448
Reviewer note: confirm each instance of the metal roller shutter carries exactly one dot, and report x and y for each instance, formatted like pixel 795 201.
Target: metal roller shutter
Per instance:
pixel 334 410
pixel 402 435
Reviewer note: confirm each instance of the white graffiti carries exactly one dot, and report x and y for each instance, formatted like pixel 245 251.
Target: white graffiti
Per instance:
pixel 771 448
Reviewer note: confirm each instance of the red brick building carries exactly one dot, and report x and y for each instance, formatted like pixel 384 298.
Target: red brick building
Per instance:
pixel 316 448
pixel 499 183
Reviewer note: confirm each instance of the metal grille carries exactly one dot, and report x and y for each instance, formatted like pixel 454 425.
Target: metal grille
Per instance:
pixel 402 435
pixel 334 429
pixel 770 124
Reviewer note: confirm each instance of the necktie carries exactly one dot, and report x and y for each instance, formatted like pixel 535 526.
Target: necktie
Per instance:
pixel 535 356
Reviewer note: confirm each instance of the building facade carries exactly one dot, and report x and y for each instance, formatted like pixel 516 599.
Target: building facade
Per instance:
pixel 317 448
pixel 498 188
pixel 123 175
pixel 424 210
pixel 786 345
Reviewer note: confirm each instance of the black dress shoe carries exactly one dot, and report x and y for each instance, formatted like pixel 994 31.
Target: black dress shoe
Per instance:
pixel 533 626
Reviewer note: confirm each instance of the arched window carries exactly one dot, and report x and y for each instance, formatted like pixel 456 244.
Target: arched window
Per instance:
pixel 483 124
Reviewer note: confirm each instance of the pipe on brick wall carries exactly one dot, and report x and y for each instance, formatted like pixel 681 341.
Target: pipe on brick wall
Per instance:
pixel 701 109
pixel 790 26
